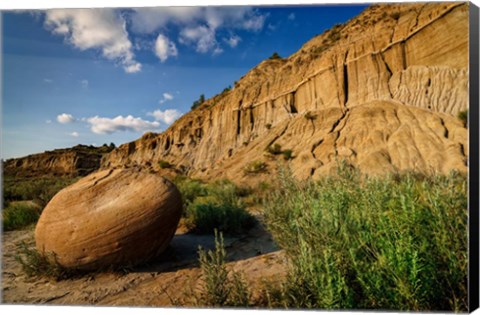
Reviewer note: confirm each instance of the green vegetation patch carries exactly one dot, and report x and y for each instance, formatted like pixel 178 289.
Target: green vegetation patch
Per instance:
pixel 255 167
pixel 216 205
pixel 40 190
pixel 198 102
pixel 164 164
pixel 219 285
pixel 35 264
pixel 276 149
pixel 275 56
pixel 353 242
pixel 463 116
pixel 19 214
pixel 25 198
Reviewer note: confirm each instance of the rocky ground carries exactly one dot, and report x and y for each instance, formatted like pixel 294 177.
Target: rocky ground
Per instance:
pixel 163 282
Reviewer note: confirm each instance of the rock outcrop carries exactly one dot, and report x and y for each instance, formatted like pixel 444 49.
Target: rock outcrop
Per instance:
pixel 382 91
pixel 111 217
pixel 77 161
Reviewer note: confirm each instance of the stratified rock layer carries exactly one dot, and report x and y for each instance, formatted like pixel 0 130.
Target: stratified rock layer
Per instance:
pixel 111 217
pixel 385 88
pixel 79 160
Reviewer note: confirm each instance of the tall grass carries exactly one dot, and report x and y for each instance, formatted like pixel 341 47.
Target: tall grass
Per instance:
pixel 18 215
pixel 392 243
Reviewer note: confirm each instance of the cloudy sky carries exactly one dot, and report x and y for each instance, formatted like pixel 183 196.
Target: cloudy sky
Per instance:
pixel 95 76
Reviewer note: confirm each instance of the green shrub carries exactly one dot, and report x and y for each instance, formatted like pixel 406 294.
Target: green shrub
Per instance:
pixel 205 217
pixel 198 102
pixel 255 167
pixel 310 116
pixel 216 205
pixel 395 15
pixel 220 287
pixel 164 164
pixel 334 33
pixel 287 154
pixel 35 264
pixel 274 149
pixel 18 215
pixel 226 192
pixel 353 242
pixel 275 56
pixel 190 189
pixel 463 116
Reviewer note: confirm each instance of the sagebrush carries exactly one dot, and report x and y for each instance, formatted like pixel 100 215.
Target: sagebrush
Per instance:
pixel 353 242
pixel 219 286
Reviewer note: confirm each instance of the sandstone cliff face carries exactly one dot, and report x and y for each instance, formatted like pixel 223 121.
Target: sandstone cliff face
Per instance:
pixel 381 91
pixel 77 161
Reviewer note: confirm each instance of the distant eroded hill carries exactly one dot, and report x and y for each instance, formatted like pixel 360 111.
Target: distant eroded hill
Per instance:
pixel 77 161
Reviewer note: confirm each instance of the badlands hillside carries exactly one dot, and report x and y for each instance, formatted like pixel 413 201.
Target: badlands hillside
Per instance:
pixel 382 92
pixel 77 161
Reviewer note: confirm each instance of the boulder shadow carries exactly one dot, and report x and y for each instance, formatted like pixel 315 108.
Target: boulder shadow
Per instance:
pixel 183 250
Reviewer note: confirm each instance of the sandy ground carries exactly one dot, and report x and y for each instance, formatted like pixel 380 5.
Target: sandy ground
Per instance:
pixel 161 282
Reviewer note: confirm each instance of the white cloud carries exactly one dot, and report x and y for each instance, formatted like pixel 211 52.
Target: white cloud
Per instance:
pixel 168 116
pixel 148 20
pixel 65 118
pixel 74 134
pixel 234 17
pixel 165 48
pixel 135 67
pixel 84 83
pixel 217 51
pixel 200 36
pixel 103 29
pixel 103 125
pixel 233 41
pixel 291 16
pixel 198 25
pixel 272 27
pixel 166 97
pixel 254 24
pixel 48 121
pixel 47 80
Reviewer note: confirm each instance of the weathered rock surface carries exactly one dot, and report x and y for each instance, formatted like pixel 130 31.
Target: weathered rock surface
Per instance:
pixel 386 88
pixel 110 217
pixel 77 161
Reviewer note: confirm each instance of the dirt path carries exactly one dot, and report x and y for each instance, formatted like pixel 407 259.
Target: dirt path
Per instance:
pixel 159 283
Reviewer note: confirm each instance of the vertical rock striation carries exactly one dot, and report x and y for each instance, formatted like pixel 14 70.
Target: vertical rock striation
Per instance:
pixel 381 91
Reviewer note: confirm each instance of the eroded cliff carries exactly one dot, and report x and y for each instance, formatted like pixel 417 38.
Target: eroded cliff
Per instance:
pixel 77 161
pixel 381 91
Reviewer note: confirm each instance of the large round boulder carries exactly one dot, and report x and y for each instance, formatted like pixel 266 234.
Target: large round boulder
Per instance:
pixel 111 217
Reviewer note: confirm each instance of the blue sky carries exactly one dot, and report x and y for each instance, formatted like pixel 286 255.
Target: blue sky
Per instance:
pixel 109 75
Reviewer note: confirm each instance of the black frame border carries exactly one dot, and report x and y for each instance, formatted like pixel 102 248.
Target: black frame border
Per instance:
pixel 473 126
